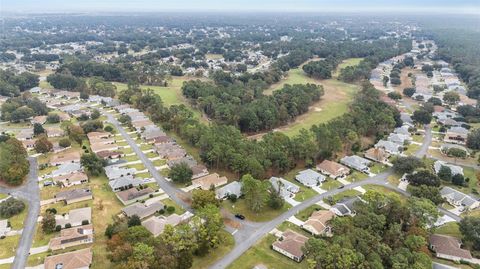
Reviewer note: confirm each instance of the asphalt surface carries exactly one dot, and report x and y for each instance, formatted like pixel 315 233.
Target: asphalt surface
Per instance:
pixel 29 192
pixel 165 185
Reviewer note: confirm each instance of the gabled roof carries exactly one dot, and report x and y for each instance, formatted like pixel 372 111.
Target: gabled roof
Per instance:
pixel 292 243
pixel 458 130
pixel 309 177
pixel 122 182
pixel 142 210
pixel 67 168
pixel 73 194
pixel 114 172
pixel 156 224
pixel 457 196
pixel 234 187
pixel 454 168
pixel 75 216
pixel 207 181
pixel 318 221
pixel 332 167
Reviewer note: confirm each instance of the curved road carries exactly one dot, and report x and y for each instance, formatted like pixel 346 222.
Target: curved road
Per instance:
pixel 28 192
pixel 255 232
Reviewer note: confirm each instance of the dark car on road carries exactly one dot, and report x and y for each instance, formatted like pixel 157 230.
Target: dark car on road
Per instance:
pixel 239 216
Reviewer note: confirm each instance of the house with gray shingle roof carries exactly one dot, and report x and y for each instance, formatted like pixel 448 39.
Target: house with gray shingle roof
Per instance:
pixel 234 187
pixel 357 163
pixel 390 147
pixel 454 168
pixel 287 188
pixel 143 210
pixel 124 183
pixel 458 198
pixel 346 207
pixel 310 178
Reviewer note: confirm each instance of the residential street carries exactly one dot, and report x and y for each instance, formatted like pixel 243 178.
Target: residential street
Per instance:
pixel 29 192
pixel 252 233
pixel 174 193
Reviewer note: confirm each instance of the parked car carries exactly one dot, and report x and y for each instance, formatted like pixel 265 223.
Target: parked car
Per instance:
pixel 239 216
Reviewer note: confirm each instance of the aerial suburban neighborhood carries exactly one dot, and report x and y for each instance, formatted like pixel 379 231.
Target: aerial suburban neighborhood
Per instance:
pixel 239 141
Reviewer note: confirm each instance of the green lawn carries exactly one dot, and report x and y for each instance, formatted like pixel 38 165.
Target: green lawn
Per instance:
pixel 178 209
pixel 265 214
pixel 138 166
pixel 305 193
pixel 345 194
pixel 330 184
pixel 261 253
pixel 412 149
pixel 159 162
pixel 356 176
pixel 346 63
pixel 307 212
pixel 171 95
pixel 8 246
pixel 450 228
pixel 16 222
pixel 215 254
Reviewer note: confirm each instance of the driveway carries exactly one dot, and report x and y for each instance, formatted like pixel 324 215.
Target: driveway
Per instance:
pixel 28 192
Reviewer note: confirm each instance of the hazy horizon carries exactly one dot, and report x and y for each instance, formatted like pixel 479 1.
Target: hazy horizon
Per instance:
pixel 425 6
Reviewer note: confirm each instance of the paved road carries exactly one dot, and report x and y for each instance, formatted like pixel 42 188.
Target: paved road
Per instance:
pixel 166 186
pixel 252 233
pixel 28 192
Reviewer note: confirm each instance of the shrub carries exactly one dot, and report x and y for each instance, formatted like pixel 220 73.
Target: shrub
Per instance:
pixel 68 225
pixel 85 222
pixel 232 197
pixel 108 128
pixel 58 228
pixel 11 207
pixel 64 143
pixel 170 209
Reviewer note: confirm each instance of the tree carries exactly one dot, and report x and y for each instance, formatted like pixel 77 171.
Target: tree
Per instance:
pixel 202 198
pixel 14 165
pixel 255 193
pixel 95 114
pixel 64 143
pixel 451 98
pixel 11 207
pixel 92 126
pixel 275 199
pixel 42 145
pixel 181 173
pixel 473 139
pixel 207 228
pixel 422 116
pixel 38 129
pixel 93 164
pixel 76 133
pixel 428 192
pixel 48 223
pixel 470 229
pixel 458 180
pixel 406 165
pixel 53 118
pixel 423 177
pixel 134 221
pixel 445 173
pixel 409 92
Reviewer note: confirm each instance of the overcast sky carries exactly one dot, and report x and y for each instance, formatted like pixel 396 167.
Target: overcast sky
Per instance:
pixel 449 6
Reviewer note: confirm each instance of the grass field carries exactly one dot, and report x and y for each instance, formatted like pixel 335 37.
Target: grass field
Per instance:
pixel 171 95
pixel 215 254
pixel 262 253
pixel 307 212
pixel 266 214
pixel 346 63
pixel 450 228
pixel 8 246
pixel 333 103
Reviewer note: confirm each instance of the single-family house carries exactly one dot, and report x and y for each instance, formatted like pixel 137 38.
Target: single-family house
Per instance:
pixel 286 188
pixel 399 139
pixel 199 170
pixel 25 134
pixel 72 237
pixel 377 155
pixel 406 119
pixel 357 163
pixel 162 140
pixel 333 169
pixel 68 180
pixel 402 130
pixel 66 168
pixel 456 135
pixel 458 198
pixel 124 183
pixel 75 217
pixel 152 132
pixel 310 178
pixel 79 259
pixel 29 144
pixel 445 148
pixel 206 182
pixel 39 119
pixel 188 160
pixel 141 123
pixel 234 188
pixel 448 247
pixel 98 135
pixel 291 245
pixel 74 196
pixel 143 210
pixel 317 223
pixel 345 207
pixel 114 172
pixel 110 154
pixel 133 194
pixel 65 158
pixel 97 147
pixel 455 169
pixel 156 224
pixel 54 132
pixel 389 147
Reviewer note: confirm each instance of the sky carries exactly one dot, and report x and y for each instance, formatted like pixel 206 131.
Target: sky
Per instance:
pixel 424 6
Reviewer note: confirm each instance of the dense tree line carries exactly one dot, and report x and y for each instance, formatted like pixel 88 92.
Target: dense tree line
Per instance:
pixel 384 51
pixel 224 146
pixel 13 85
pixel 14 165
pixel 385 233
pixel 21 108
pixel 244 107
pixel 320 69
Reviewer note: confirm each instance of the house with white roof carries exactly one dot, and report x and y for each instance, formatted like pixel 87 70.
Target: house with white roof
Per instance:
pixel 454 168
pixel 356 162
pixel 458 198
pixel 234 187
pixel 310 178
